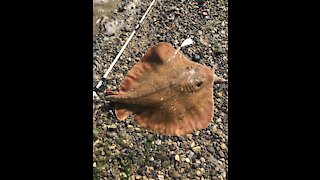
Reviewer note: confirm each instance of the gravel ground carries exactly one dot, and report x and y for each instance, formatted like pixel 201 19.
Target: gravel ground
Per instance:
pixel 122 150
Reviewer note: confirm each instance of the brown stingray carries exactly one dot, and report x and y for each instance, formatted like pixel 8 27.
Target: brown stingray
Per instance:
pixel 167 93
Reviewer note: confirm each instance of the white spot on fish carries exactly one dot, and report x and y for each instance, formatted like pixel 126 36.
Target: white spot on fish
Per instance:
pixel 161 99
pixel 173 56
pixel 192 71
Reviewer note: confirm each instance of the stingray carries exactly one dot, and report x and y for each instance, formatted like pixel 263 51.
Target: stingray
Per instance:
pixel 166 92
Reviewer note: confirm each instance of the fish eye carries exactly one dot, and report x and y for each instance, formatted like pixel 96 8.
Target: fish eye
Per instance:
pixel 199 83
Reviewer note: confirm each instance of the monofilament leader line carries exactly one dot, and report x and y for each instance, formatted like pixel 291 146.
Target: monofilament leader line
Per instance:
pixel 124 46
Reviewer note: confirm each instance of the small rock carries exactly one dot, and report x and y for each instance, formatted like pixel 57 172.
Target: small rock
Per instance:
pixel 172 8
pixel 221 154
pixel 151 158
pixel 198 173
pixel 192 144
pixel 217 169
pixel 200 32
pixel 124 175
pixel 202 170
pixel 224 174
pixel 197 132
pixel 112 126
pixel 130 126
pixel 207 17
pixel 191 154
pixel 111 134
pixel 202 159
pixel 189 136
pixel 95 133
pixel 94 164
pixel 205 13
pixel 197 57
pixel 160 177
pixel 158 142
pixel 177 157
pixel 175 174
pixel 198 161
pixel 106 38
pixel 214 129
pixel 196 149
pixel 223 32
pixel 223 146
pixel 219 132
pixel 112 147
pixel 187 160
pixel 219 120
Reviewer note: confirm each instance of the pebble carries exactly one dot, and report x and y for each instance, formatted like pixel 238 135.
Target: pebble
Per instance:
pixel 191 154
pixel 197 132
pixel 192 144
pixel 202 170
pixel 112 147
pixel 112 126
pixel 223 146
pixel 94 164
pixel 187 160
pixel 124 175
pixel 173 147
pixel 221 154
pixel 160 177
pixel 177 157
pixel 103 153
pixel 175 174
pixel 111 134
pixel 197 57
pixel 196 149
pixel 158 142
pixel 189 136
pixel 211 149
pixel 198 173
